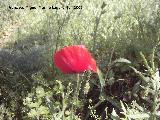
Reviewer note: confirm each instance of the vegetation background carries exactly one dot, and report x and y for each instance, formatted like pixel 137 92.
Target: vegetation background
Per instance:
pixel 115 32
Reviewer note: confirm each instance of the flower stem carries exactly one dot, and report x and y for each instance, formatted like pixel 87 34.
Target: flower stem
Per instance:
pixel 154 106
pixel 77 88
pixel 76 94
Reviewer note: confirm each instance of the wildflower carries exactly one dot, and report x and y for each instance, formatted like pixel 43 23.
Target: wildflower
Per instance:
pixel 74 59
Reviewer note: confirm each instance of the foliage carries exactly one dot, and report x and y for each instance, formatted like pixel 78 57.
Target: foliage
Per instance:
pixel 127 84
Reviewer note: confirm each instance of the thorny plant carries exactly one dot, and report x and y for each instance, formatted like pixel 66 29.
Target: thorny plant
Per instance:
pixel 150 82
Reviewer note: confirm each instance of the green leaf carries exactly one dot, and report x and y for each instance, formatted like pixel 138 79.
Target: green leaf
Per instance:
pixel 146 63
pixel 122 60
pixel 140 74
pixel 123 108
pixel 114 115
pixel 40 91
pixel 139 116
pixel 102 81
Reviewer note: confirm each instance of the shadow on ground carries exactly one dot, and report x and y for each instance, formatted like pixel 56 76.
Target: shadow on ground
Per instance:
pixel 17 65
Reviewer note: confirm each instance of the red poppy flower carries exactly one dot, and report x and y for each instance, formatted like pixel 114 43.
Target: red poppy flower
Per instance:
pixel 74 59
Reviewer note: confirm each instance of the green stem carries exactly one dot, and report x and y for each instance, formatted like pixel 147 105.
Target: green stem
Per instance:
pixel 154 116
pixel 72 111
pixel 77 88
pixel 64 107
pixel 76 94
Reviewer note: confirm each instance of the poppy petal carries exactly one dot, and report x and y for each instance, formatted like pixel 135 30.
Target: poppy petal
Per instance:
pixel 74 59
